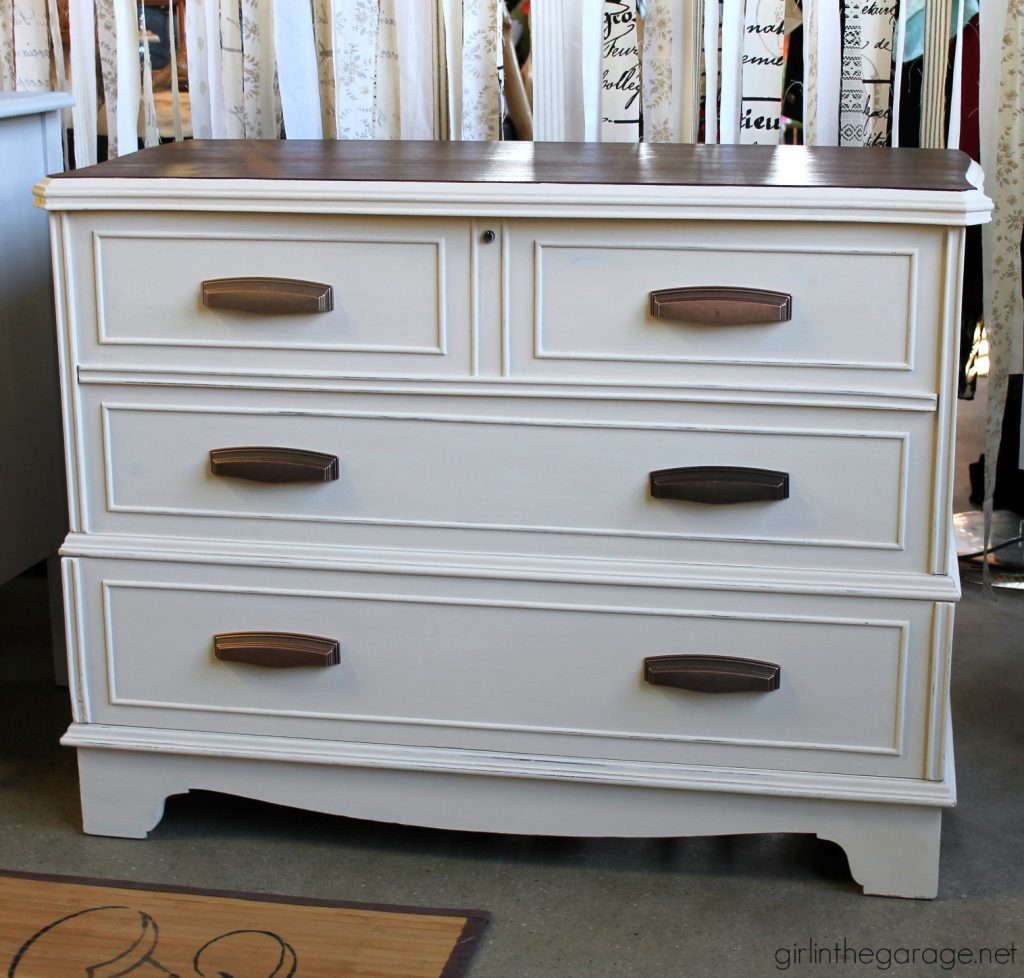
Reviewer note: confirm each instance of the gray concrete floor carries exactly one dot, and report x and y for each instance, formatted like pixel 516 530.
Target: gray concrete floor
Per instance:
pixel 610 908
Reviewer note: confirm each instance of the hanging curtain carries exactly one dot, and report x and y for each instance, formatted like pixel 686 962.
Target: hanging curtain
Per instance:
pixel 669 71
pixel 823 77
pixel 7 74
pixel 354 75
pixel 326 37
pixel 201 28
pixel 481 36
pixel 388 120
pixel 731 62
pixel 709 40
pixel 620 73
pixel 298 76
pixel 416 73
pixel 229 122
pixel 761 79
pixel 1002 157
pixel 151 127
pixel 31 44
pixel 868 65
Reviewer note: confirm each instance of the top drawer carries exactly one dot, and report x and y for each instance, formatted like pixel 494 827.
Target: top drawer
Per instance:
pixel 865 309
pixel 399 292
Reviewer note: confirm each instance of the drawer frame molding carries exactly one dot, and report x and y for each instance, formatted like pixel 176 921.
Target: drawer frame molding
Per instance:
pixel 540 353
pixel 103 338
pixel 899 688
pixel 107 409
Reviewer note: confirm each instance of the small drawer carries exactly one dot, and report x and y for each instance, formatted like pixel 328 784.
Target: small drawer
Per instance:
pixel 510 665
pixel 707 483
pixel 822 306
pixel 340 294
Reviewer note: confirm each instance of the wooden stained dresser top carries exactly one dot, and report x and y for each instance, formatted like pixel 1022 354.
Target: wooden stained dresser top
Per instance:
pixel 646 164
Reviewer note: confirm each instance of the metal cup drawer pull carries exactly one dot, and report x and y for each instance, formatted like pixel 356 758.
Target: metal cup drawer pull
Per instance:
pixel 712 673
pixel 268 296
pixel 721 305
pixel 276 650
pixel 263 464
pixel 719 484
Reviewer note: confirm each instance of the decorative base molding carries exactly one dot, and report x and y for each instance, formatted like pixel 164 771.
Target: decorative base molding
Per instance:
pixel 893 848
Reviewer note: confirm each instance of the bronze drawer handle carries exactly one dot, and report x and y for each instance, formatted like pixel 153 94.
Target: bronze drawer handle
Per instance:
pixel 721 305
pixel 276 650
pixel 262 464
pixel 719 484
pixel 269 296
pixel 712 673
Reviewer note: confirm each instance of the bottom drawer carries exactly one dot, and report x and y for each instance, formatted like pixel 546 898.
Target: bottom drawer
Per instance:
pixel 505 665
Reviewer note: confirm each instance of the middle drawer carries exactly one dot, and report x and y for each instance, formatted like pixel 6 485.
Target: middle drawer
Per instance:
pixel 526 476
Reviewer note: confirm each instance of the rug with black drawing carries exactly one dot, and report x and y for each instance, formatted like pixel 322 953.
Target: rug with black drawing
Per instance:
pixel 57 927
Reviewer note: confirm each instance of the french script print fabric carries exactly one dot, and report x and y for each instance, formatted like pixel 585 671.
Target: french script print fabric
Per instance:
pixel 31 46
pixel 620 74
pixel 761 101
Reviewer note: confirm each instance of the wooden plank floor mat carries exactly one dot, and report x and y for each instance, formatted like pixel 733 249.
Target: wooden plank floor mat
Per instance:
pixel 64 927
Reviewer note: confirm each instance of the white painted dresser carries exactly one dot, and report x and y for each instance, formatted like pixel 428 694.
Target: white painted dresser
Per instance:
pixel 584 490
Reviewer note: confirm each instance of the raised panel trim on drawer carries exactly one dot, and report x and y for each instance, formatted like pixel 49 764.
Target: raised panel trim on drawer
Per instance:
pixel 906 364
pixel 104 338
pixel 901 495
pixel 896 748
